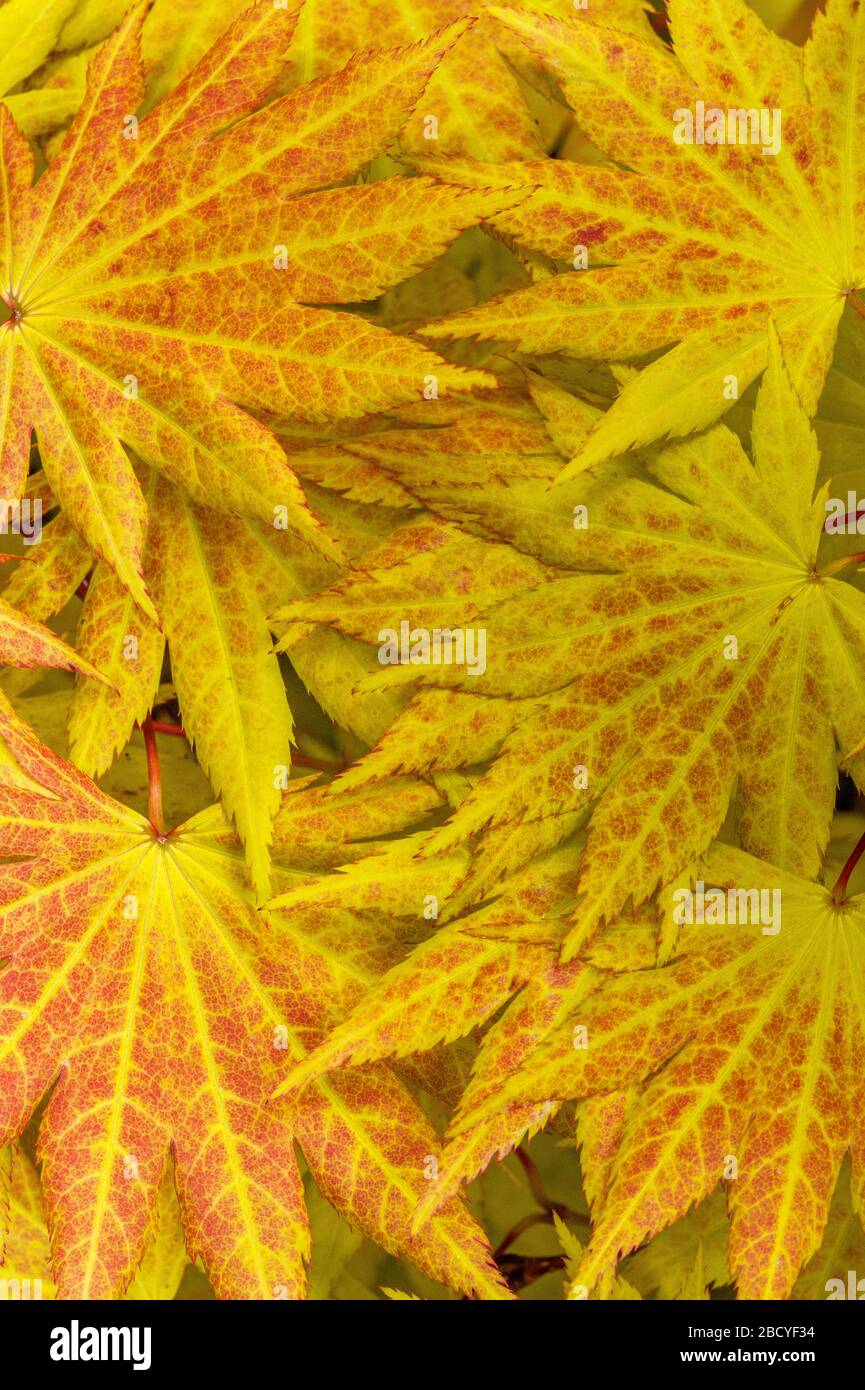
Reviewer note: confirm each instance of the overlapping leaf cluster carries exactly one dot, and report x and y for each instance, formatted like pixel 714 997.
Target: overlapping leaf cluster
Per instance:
pixel 325 321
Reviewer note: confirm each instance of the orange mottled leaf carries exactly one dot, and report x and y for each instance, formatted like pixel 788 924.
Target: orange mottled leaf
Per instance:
pixel 152 301
pixel 157 1004
pixel 777 236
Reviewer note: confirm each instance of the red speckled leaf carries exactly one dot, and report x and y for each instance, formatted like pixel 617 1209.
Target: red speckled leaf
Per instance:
pixel 153 278
pixel 142 985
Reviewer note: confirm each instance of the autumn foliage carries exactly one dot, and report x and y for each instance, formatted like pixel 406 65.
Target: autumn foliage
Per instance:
pixel 432 649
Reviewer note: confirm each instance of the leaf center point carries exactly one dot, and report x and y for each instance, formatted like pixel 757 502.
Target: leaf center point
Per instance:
pixel 14 305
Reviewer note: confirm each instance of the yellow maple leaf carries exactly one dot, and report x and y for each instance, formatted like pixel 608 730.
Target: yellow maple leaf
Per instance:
pixel 747 1043
pixel 138 287
pixel 143 987
pixel 653 659
pixel 693 239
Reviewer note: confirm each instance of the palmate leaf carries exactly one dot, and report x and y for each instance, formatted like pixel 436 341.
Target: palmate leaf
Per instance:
pixel 140 290
pixel 233 702
pixel 699 245
pixel 667 681
pixel 210 320
pixel 748 1045
pixel 744 1047
pixel 141 980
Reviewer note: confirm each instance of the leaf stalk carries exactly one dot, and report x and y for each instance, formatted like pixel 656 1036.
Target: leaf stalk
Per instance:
pixel 154 778
pixel 839 892
pixel 842 563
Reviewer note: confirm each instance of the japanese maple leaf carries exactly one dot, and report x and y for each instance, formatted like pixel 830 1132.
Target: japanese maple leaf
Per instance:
pixel 692 244
pixel 719 663
pixel 232 697
pixel 744 1046
pixel 143 989
pixel 215 579
pixel 748 1043
pixel 158 278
